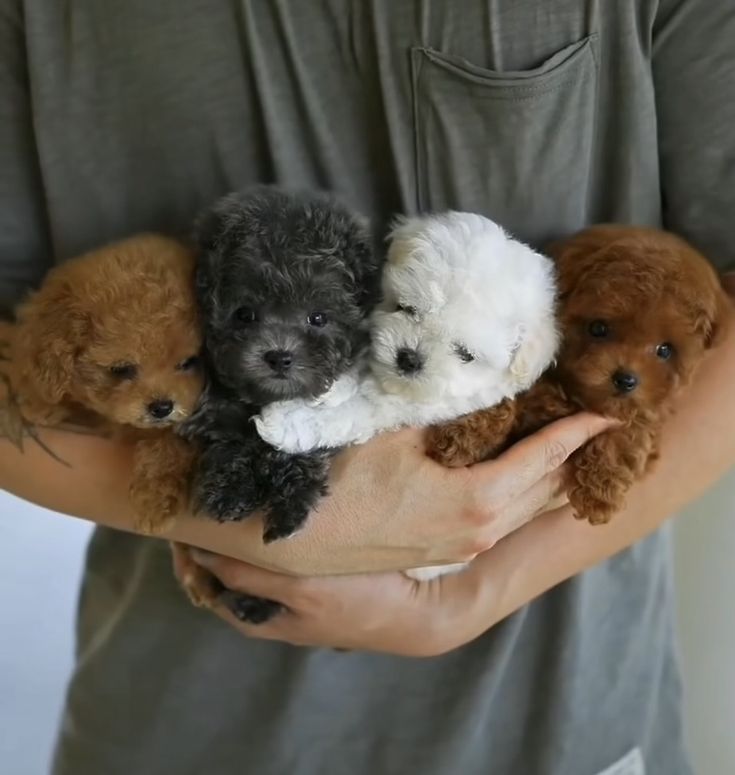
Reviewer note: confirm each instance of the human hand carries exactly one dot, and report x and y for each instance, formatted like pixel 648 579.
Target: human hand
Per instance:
pixel 393 508
pixel 385 612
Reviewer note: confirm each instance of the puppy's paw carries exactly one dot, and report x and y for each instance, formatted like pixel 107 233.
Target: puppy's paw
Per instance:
pixel 300 483
pixel 451 446
pixel 278 529
pixel 250 609
pixel 287 427
pixel 269 427
pixel 223 504
pixel 594 510
pixel 285 519
pixel 155 510
pixel 201 587
pixel 276 533
pixel 159 491
pixel 153 524
pixel 600 516
pixel 342 390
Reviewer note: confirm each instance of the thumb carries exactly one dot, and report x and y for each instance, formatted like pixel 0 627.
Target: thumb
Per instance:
pixel 243 577
pixel 538 455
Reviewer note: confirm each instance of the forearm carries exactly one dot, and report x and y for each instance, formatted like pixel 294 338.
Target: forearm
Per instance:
pixel 698 448
pixel 93 480
pixel 92 483
pixel 76 474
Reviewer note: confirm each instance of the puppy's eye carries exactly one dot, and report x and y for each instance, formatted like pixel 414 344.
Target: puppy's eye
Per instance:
pixel 464 354
pixel 407 309
pixel 188 363
pixel 317 319
pixel 599 329
pixel 244 316
pixel 124 370
pixel 664 351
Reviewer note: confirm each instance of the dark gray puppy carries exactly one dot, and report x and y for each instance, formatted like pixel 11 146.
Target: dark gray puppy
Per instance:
pixel 285 280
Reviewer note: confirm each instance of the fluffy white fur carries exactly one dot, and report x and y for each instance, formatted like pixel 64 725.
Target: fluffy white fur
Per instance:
pixel 455 287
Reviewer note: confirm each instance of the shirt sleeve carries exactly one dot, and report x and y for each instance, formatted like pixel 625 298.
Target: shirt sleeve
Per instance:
pixel 24 243
pixel 694 77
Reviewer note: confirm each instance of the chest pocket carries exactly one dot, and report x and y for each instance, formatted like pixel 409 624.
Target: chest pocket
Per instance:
pixel 515 146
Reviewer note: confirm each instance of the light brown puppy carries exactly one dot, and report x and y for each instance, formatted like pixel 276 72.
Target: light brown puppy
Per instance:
pixel 115 333
pixel 638 308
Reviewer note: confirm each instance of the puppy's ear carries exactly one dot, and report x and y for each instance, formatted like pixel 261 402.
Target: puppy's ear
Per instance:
pixel 713 318
pixel 362 256
pixel 350 238
pixel 52 329
pixel 535 351
pixel 215 223
pixel 212 229
pixel 576 254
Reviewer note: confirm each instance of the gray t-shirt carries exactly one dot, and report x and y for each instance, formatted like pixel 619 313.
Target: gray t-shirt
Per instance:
pixel 546 115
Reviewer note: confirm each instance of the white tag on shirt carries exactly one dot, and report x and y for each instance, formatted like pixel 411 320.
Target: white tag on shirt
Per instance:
pixel 631 764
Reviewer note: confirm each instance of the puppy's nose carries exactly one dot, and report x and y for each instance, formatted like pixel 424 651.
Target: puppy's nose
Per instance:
pixel 160 409
pixel 408 361
pixel 624 381
pixel 278 360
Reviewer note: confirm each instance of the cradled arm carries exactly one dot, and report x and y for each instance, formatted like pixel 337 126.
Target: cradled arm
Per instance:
pixel 436 515
pixel 389 612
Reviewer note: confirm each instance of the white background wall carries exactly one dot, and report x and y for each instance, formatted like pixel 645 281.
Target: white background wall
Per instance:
pixel 41 555
pixel 705 570
pixel 40 562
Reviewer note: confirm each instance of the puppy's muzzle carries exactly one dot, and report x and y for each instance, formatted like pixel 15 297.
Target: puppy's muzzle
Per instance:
pixel 624 381
pixel 409 361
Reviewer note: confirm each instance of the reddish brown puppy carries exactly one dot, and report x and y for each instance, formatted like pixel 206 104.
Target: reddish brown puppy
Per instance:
pixel 638 309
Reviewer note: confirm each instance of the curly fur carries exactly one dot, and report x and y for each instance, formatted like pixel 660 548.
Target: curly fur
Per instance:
pixel 115 331
pixel 474 310
pixel 280 272
pixel 649 288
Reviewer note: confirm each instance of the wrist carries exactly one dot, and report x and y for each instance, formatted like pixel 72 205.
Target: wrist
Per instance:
pixel 468 608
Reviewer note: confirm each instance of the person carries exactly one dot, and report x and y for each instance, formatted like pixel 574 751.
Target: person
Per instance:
pixel 554 653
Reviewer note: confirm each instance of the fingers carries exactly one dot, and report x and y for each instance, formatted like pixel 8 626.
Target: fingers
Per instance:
pixel 267 596
pixel 529 461
pixel 545 495
pixel 181 558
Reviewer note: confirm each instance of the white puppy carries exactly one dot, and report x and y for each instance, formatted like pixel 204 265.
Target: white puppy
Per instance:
pixel 467 320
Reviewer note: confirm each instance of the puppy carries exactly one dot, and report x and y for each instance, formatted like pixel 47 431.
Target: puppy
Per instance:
pixel 284 282
pixel 115 333
pixel 639 309
pixel 466 320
